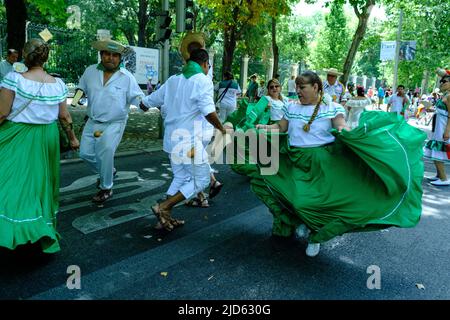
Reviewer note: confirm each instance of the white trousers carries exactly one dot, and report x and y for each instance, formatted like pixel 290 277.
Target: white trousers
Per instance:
pixel 189 179
pixel 99 152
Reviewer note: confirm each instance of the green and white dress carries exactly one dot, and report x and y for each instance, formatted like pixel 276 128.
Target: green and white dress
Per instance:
pixel 435 148
pixel 29 160
pixel 360 180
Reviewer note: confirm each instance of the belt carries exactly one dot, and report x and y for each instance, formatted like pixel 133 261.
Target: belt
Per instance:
pixel 106 122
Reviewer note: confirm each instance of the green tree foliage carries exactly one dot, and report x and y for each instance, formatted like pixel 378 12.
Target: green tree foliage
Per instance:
pixel 427 22
pixel 233 17
pixel 333 41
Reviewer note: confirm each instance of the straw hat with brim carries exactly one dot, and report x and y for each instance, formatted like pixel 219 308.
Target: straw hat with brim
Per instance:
pixel 333 72
pixel 189 38
pixel 109 45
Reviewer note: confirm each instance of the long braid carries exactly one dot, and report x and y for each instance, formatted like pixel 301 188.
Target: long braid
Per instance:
pixel 307 126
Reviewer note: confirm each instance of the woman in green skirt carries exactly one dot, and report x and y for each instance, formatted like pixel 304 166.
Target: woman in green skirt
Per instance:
pixel 331 180
pixel 31 101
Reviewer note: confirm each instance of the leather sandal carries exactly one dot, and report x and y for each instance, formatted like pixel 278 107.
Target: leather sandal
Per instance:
pixel 163 217
pixel 214 189
pixel 102 196
pixel 196 202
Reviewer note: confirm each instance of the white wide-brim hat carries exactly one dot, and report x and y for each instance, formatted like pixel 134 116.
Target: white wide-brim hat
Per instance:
pixel 333 72
pixel 109 45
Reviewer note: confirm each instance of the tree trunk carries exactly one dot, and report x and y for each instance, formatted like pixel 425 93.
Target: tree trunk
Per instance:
pixel 275 50
pixel 363 19
pixel 424 84
pixel 16 16
pixel 143 20
pixel 229 45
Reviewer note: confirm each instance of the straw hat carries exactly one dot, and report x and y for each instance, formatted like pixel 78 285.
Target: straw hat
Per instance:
pixel 189 38
pixel 333 72
pixel 109 45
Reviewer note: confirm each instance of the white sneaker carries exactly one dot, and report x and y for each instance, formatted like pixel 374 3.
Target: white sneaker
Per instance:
pixel 432 178
pixel 312 249
pixel 440 182
pixel 302 231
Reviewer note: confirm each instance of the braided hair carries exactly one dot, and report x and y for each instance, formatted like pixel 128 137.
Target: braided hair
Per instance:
pixel 310 77
pixel 35 53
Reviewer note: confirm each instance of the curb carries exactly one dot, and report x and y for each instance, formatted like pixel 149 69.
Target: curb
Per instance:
pixel 117 155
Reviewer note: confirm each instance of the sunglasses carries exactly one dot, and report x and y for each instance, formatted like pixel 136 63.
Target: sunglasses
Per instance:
pixel 444 81
pixel 273 87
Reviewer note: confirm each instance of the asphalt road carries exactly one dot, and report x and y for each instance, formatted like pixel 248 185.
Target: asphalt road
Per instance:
pixel 225 251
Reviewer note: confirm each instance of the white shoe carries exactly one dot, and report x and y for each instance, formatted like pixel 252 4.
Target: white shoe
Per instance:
pixel 440 182
pixel 312 249
pixel 302 231
pixel 432 178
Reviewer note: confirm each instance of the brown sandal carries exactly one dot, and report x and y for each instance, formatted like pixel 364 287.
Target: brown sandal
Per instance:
pixel 175 223
pixel 196 202
pixel 163 216
pixel 102 196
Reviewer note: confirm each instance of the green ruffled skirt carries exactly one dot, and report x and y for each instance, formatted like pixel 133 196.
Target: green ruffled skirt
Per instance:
pixel 29 185
pixel 368 179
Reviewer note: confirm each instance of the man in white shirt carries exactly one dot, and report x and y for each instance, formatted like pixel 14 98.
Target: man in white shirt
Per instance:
pixel 6 66
pixel 398 101
pixel 332 86
pixel 189 109
pixel 291 87
pixel 110 90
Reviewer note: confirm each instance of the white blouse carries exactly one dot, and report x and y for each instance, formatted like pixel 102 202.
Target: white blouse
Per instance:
pixel 44 107
pixel 277 108
pixel 319 134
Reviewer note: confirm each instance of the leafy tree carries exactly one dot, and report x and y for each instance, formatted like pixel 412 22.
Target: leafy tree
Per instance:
pixel 362 9
pixel 334 39
pixel 233 17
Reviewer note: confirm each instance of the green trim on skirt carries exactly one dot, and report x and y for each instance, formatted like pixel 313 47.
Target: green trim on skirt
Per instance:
pixel 368 179
pixel 29 160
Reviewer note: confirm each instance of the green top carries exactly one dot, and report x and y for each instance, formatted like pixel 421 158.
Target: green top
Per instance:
pixel 441 105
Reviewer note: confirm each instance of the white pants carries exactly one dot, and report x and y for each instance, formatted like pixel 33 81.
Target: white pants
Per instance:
pixel 189 179
pixel 99 152
pixel 225 111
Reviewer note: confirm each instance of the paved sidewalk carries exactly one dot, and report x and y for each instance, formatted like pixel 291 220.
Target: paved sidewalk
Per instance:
pixel 141 133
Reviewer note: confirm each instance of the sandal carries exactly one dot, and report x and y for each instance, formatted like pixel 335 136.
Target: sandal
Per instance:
pixel 163 216
pixel 175 223
pixel 196 202
pixel 102 196
pixel 214 189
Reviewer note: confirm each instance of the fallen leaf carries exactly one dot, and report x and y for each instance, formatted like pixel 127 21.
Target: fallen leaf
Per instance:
pixel 164 274
pixel 420 286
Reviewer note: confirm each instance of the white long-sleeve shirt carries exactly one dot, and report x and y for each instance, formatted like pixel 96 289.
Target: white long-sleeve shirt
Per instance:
pixel 186 103
pixel 109 103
